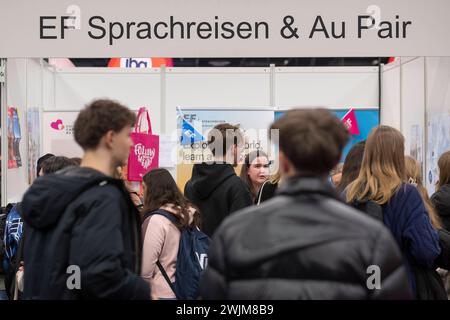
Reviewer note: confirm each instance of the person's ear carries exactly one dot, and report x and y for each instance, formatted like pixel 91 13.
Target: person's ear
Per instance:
pixel 109 138
pixel 286 167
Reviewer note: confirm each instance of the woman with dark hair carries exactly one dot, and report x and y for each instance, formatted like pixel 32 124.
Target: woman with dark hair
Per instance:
pixel 161 237
pixel 441 198
pixel 56 163
pixel 351 166
pixel 255 171
pixel 40 161
pixel 269 188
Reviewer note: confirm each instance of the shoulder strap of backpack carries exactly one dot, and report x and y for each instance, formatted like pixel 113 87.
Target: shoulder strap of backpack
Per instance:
pixel 173 219
pixel 162 212
pixel 166 277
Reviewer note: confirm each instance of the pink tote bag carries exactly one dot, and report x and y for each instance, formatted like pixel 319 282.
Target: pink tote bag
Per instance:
pixel 144 155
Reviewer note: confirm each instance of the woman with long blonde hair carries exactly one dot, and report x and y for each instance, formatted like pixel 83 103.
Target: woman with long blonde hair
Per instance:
pixel 382 180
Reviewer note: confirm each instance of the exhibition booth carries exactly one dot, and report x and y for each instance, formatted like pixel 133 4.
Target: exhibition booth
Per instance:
pixel 43 102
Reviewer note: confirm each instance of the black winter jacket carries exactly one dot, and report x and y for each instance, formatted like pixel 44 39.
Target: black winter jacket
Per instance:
pixel 80 217
pixel 217 191
pixel 303 244
pixel 441 201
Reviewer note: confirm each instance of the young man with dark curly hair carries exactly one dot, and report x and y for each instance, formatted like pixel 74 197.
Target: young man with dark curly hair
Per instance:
pixel 83 239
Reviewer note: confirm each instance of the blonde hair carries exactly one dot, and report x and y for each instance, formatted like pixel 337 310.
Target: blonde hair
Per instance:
pixel 414 176
pixel 274 179
pixel 383 167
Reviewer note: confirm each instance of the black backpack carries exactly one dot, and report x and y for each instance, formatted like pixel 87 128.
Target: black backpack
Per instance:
pixel 371 208
pixel 429 285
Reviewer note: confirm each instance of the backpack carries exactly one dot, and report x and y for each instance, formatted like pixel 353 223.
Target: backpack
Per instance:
pixel 12 239
pixel 3 215
pixel 192 259
pixel 371 208
pixel 429 285
pixel 13 233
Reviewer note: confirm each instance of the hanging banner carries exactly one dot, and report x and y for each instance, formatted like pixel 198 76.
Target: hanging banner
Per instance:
pixel 438 143
pixel 224 28
pixel 34 146
pixel 14 138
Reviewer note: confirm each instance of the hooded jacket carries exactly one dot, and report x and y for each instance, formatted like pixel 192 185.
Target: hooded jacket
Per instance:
pixel 217 191
pixel 80 222
pixel 303 244
pixel 441 201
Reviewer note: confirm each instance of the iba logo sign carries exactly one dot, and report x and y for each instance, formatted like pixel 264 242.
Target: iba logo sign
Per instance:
pixel 139 62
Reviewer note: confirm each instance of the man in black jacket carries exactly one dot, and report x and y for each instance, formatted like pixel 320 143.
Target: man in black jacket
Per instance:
pixel 214 187
pixel 305 243
pixel 83 238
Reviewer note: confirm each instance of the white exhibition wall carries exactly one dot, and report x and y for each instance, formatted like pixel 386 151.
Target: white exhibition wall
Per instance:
pixel 337 87
pixel 437 114
pixel 24 92
pixel 163 90
pixel 416 100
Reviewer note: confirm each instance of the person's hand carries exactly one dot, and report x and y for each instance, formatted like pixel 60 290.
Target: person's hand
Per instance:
pixel 135 198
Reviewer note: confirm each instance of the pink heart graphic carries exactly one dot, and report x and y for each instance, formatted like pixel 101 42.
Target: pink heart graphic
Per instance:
pixel 57 125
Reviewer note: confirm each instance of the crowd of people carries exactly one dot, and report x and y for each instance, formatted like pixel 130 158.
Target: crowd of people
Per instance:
pixel 314 229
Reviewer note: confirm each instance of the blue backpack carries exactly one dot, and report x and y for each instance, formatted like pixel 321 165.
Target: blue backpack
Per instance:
pixel 12 235
pixel 192 259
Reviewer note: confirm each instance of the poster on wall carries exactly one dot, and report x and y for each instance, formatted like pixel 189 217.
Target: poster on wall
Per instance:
pixel 58 134
pixel 58 138
pixel 195 124
pixel 34 133
pixel 438 142
pixel 362 121
pixel 14 138
pixel 416 145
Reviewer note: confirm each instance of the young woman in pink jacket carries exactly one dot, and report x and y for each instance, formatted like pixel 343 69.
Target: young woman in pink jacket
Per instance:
pixel 161 237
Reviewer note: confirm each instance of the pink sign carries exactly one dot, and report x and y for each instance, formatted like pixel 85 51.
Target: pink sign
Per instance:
pixel 349 121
